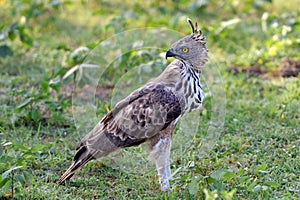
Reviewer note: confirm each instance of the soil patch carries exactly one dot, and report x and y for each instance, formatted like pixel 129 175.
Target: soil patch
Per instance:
pixel 287 68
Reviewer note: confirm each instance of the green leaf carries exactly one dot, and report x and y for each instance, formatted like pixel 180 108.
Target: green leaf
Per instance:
pixel 193 187
pixel 63 46
pixel 125 57
pixel 241 172
pixel 20 147
pixel 5 51
pixel 261 167
pixel 243 179
pixel 251 186
pixel 44 86
pixel 25 103
pixel 222 174
pixel 271 184
pixel 211 180
pixel 25 38
pixel 12 35
pixel 5 184
pixel 228 175
pixel 37 148
pixel 21 162
pixel 28 177
pixel 257 188
pixel 35 115
pixel 6 173
pixel 217 174
pixel 55 84
pixel 60 72
pixel 6 159
pixel 21 179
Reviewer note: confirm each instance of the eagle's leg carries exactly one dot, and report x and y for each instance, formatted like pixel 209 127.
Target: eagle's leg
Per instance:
pixel 162 162
pixel 160 154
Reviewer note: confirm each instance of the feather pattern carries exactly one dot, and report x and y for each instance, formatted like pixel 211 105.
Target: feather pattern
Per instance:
pixel 150 113
pixel 137 118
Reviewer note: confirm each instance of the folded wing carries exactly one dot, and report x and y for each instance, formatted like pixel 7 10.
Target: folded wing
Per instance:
pixel 135 119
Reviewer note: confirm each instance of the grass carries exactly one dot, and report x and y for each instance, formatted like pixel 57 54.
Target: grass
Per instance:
pixel 255 156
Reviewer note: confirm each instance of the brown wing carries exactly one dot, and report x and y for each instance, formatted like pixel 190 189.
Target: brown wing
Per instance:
pixel 135 119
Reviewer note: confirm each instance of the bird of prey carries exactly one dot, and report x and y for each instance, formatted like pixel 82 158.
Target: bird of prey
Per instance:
pixel 150 113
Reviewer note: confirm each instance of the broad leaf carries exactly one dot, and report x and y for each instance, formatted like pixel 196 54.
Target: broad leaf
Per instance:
pixel 25 103
pixel 5 51
pixel 6 173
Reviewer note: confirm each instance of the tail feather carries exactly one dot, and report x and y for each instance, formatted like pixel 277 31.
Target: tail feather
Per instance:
pixel 81 158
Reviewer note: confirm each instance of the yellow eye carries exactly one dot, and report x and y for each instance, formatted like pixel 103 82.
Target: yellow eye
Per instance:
pixel 185 50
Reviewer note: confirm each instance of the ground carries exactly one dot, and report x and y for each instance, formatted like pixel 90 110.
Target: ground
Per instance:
pixel 254 46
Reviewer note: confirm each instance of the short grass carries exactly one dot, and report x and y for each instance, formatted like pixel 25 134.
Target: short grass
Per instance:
pixel 256 154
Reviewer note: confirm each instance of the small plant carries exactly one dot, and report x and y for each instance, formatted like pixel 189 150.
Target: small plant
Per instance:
pixel 14 159
pixel 38 104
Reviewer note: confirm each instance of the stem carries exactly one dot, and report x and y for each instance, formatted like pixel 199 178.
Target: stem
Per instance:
pixel 12 184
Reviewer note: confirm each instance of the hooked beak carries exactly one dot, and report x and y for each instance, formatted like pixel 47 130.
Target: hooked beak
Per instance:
pixel 170 54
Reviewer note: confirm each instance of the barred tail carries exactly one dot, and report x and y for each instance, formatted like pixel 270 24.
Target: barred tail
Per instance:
pixel 81 158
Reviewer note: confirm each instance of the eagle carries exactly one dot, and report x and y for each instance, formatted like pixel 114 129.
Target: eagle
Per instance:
pixel 151 112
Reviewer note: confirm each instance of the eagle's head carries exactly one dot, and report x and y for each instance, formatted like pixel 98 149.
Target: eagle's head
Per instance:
pixel 191 48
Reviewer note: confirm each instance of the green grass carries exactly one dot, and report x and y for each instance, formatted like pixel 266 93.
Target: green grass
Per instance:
pixel 256 155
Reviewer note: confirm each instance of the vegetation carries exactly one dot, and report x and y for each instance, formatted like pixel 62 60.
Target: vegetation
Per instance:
pixel 256 155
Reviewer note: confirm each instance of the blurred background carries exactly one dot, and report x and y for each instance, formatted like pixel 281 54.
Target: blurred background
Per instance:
pixel 254 43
